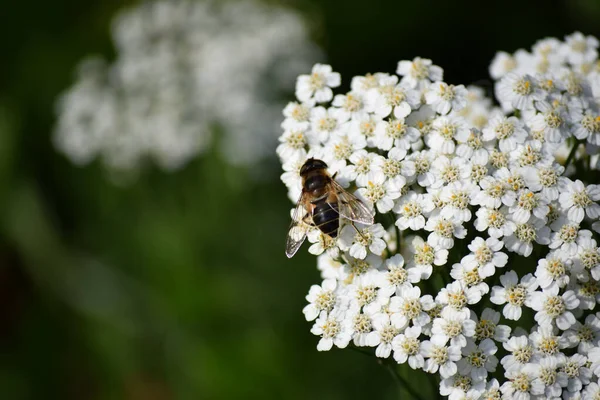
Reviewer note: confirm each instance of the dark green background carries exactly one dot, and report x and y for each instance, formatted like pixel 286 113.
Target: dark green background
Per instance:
pixel 177 287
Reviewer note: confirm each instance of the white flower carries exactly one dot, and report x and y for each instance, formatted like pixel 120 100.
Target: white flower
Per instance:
pixel 440 357
pixel 293 144
pixel 449 170
pixel 408 306
pixel 443 231
pixel 528 203
pixel 585 336
pixel 458 297
pixel 296 116
pixel 443 97
pixel 462 387
pixel 444 131
pixel 362 326
pixel 546 342
pixel 588 257
pixel 501 64
pixel 453 325
pixel 521 353
pixel 568 237
pixel 521 384
pixel 366 293
pixel 322 299
pixel 321 242
pixel 324 122
pixel 478 359
pixel 316 87
pixel 547 375
pixel 457 197
pixel 340 148
pixel 351 105
pixel 575 371
pixel 545 179
pixel 513 293
pixel 424 256
pixel 579 48
pixel 412 209
pixel 397 276
pixel 380 192
pixel 591 391
pixel 553 270
pixel 486 255
pixel 509 131
pixel 419 72
pixel 495 193
pixel 333 329
pixel 578 200
pixel 494 221
pixel 395 132
pixel 357 243
pixel 518 91
pixel 551 307
pixel 468 275
pixel 487 326
pixel 521 240
pixel 362 164
pixel 407 346
pixel 382 336
pixel 390 97
pixel 551 122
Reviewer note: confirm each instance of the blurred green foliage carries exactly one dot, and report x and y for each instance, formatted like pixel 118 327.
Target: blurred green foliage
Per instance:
pixel 176 286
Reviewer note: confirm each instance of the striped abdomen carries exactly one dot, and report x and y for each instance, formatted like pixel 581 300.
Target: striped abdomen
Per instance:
pixel 326 218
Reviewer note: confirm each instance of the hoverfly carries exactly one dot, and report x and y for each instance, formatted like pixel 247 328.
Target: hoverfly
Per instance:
pixel 322 202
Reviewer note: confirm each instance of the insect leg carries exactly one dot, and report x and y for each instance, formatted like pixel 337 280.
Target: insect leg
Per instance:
pixel 357 231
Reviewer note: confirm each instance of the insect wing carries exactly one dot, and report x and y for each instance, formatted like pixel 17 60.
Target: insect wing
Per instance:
pixel 350 207
pixel 298 228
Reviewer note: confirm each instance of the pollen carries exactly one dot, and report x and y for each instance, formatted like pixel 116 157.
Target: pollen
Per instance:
pixel 477 359
pixel 516 295
pixel 521 383
pixel 548 376
pixel 424 255
pixel 483 255
pixel 523 354
pixel 522 87
pixel 362 324
pixel 389 333
pixel 554 306
pixel 411 209
pixel 457 300
pixel 366 294
pixel 444 228
pixel 410 346
pixel 317 81
pixel 439 354
pixel 331 328
pixel 453 329
pixel 411 308
pixel 397 275
pixel 504 130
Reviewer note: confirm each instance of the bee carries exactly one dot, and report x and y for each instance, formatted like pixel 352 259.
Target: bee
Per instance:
pixel 322 202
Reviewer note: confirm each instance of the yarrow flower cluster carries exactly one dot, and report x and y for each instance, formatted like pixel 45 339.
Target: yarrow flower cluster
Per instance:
pixel 185 71
pixel 483 215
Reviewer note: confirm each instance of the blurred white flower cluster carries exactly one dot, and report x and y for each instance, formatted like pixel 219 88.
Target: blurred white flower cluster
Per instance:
pixel 483 264
pixel 186 74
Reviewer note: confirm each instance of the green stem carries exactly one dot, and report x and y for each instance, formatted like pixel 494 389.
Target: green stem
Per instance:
pixel 572 154
pixel 402 382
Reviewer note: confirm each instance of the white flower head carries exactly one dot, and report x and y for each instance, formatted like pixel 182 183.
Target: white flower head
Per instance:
pixel 316 87
pixel 419 72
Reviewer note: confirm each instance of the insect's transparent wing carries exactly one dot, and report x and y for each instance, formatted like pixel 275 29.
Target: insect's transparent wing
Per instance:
pixel 297 231
pixel 350 207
